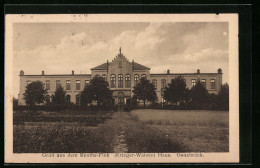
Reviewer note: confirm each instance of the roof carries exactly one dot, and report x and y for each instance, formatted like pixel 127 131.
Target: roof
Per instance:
pixel 100 67
pixel 137 66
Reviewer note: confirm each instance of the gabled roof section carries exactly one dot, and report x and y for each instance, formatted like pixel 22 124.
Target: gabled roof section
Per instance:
pixel 101 67
pixel 137 66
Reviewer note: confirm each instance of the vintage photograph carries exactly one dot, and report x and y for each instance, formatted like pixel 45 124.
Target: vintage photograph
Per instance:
pixel 132 88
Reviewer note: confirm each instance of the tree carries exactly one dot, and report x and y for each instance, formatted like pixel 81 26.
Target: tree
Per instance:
pixel 34 93
pixel 15 101
pixel 199 96
pixel 59 96
pixel 145 91
pixel 222 100
pixel 97 90
pixel 176 91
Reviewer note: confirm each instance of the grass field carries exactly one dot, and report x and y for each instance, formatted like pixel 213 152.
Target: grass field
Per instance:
pixel 138 131
pixel 197 131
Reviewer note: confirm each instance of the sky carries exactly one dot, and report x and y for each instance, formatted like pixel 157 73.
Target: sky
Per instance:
pixel 59 48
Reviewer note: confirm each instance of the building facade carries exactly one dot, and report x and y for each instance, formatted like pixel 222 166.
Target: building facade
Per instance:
pixel 121 75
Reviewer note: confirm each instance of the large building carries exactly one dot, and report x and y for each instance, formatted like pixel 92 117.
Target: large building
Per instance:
pixel 121 75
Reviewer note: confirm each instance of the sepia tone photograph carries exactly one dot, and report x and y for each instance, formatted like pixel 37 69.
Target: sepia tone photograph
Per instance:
pixel 94 87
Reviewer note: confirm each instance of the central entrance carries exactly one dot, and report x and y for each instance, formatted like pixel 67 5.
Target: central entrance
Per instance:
pixel 120 96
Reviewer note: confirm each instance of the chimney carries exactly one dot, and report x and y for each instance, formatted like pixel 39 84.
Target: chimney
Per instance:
pixel 168 72
pixel 220 71
pixel 42 72
pixel 72 72
pixel 198 71
pixel 21 73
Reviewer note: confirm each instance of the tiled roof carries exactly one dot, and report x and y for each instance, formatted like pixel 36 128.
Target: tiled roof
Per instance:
pixel 100 67
pixel 137 66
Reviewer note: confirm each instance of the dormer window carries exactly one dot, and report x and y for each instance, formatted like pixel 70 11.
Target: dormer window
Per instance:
pixel 120 64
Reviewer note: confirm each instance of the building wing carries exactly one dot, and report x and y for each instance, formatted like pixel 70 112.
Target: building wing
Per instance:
pixel 137 66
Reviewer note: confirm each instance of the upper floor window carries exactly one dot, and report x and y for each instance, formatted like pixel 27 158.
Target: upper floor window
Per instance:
pixel 136 78
pixel 58 84
pixel 28 82
pixel 47 85
pixel 97 75
pixel 143 76
pixel 193 82
pixel 203 82
pixel 213 84
pixel 120 64
pixel 86 82
pixel 78 85
pixel 120 80
pixel 104 76
pixel 68 85
pixel 128 81
pixel 163 83
pixel 154 81
pixel 113 81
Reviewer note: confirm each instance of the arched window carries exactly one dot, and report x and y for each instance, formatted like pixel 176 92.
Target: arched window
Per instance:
pixel 143 76
pixel 163 83
pixel 67 98
pixel 136 78
pixel 120 80
pixel 58 84
pixel 113 81
pixel 154 81
pixel 128 81
pixel 48 99
pixel 47 85
pixel 97 75
pixel 77 99
pixel 104 76
pixel 203 82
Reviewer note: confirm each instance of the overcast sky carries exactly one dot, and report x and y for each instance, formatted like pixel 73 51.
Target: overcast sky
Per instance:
pixel 59 48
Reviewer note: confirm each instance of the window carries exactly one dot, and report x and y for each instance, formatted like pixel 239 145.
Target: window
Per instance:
pixel 78 85
pixel 58 84
pixel 97 76
pixel 47 85
pixel 163 83
pixel 104 76
pixel 120 80
pixel 113 81
pixel 120 64
pixel 136 78
pixel 86 82
pixel 128 81
pixel 193 82
pixel 28 82
pixel 212 84
pixel 68 85
pixel 48 99
pixel 77 99
pixel 67 98
pixel 154 81
pixel 143 76
pixel 203 82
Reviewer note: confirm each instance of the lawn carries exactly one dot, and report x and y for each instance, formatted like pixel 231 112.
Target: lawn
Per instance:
pixel 146 131
pixel 50 132
pixel 197 131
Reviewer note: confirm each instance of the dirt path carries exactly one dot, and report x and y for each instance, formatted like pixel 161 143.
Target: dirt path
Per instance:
pixel 120 145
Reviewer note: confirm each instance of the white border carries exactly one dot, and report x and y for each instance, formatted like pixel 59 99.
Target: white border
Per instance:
pixel 231 157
